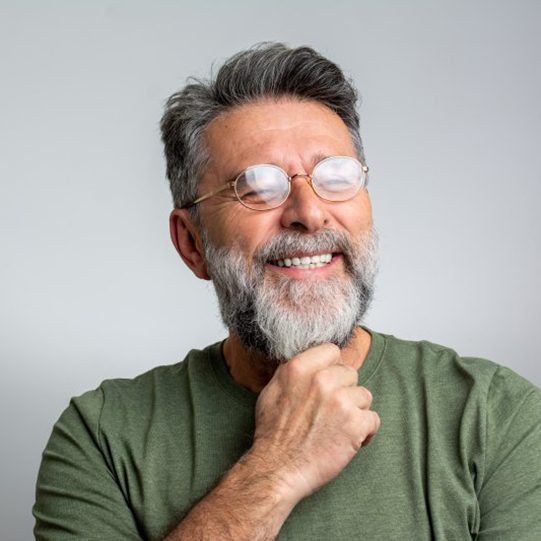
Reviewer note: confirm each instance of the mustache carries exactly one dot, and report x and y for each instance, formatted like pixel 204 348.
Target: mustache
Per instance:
pixel 326 240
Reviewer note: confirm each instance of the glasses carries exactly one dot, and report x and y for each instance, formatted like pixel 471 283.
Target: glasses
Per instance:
pixel 266 186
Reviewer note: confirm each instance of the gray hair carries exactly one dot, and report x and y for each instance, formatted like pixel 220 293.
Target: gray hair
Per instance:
pixel 267 70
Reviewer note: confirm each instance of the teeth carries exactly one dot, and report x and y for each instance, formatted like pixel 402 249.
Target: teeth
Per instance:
pixel 306 262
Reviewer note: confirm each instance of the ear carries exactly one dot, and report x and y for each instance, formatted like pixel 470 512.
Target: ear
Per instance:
pixel 187 241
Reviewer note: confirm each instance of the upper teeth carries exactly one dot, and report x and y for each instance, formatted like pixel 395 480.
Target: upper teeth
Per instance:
pixel 307 262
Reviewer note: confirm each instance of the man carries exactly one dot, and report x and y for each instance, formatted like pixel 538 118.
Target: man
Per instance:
pixel 302 424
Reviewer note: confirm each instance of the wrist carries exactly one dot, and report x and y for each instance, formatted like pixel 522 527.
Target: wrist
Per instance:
pixel 285 490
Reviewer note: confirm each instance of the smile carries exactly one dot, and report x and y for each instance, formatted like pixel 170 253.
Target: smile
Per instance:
pixel 305 262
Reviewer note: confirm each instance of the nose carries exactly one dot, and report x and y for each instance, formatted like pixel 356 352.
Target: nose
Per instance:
pixel 304 210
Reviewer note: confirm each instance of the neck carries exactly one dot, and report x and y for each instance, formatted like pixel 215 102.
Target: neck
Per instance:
pixel 253 370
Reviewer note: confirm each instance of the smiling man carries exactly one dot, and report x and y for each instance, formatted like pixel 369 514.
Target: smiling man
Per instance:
pixel 302 423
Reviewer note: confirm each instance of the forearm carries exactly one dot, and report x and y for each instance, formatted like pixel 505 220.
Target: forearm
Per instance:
pixel 249 503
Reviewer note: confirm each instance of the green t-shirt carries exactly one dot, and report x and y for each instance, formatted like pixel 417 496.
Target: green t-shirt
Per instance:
pixel 458 454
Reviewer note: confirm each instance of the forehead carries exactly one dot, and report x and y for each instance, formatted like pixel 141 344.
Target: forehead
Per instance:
pixel 286 132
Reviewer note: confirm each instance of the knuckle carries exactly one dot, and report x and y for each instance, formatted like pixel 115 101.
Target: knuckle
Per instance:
pixel 329 351
pixel 332 348
pixel 368 395
pixel 341 402
pixel 321 382
pixel 351 372
pixel 293 370
pixel 364 396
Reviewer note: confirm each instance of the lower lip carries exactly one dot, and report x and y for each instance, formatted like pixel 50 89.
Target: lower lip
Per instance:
pixel 293 272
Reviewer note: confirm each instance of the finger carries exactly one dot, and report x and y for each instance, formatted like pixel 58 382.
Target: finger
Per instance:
pixel 312 360
pixel 362 426
pixel 359 396
pixel 334 377
pixel 369 422
pixel 374 422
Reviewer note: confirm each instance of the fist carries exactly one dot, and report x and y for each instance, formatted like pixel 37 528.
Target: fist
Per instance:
pixel 311 420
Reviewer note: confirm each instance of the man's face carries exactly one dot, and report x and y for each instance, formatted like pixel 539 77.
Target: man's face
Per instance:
pixel 276 309
pixel 292 135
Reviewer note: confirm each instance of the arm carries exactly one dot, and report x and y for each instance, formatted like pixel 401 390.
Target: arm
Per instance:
pixel 248 504
pixel 311 419
pixel 510 495
pixel 77 496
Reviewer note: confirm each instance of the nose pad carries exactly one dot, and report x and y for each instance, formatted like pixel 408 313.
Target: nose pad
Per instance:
pixel 302 175
pixel 304 210
pixel 306 177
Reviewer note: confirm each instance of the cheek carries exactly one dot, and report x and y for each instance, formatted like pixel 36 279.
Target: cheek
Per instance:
pixel 223 224
pixel 364 213
pixel 257 229
pixel 242 228
pixel 358 216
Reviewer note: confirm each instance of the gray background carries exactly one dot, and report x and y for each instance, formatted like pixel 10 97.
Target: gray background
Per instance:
pixel 91 287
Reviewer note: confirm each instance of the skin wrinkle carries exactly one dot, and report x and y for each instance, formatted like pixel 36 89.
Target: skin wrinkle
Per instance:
pixel 316 158
pixel 235 164
pixel 328 136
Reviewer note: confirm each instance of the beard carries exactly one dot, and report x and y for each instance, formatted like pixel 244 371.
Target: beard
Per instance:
pixel 280 317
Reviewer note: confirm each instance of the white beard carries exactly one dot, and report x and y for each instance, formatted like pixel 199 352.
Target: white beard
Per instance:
pixel 279 316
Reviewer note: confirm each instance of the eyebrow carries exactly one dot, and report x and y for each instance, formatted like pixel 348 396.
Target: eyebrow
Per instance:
pixel 318 157
pixel 314 160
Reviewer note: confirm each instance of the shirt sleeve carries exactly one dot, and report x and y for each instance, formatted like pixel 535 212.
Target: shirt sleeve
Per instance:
pixel 77 496
pixel 510 496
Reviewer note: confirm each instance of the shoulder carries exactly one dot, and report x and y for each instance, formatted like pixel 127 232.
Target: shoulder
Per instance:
pixel 450 381
pixel 120 404
pixel 432 360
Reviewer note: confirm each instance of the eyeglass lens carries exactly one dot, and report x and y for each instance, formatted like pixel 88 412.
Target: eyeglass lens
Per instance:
pixel 266 186
pixel 262 187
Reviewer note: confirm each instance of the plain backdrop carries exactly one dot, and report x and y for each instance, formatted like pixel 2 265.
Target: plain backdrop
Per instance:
pixel 91 287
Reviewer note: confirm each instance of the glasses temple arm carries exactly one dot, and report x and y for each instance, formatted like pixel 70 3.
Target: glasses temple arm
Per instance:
pixel 230 184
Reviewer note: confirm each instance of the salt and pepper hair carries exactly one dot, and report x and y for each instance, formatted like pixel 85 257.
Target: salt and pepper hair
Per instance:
pixel 267 70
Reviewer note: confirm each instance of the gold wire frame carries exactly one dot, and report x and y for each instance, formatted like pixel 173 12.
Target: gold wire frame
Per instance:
pixel 232 184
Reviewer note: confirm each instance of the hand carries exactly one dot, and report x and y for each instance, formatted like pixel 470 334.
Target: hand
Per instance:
pixel 311 419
